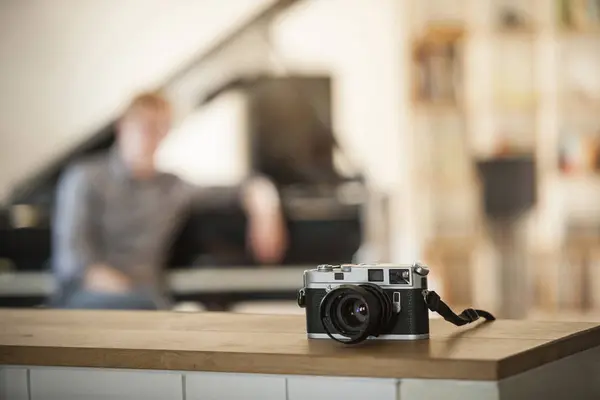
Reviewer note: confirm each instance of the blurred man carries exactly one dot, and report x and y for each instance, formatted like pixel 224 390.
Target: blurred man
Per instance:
pixel 116 216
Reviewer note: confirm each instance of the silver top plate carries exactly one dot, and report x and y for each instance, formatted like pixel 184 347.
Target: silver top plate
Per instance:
pixel 393 276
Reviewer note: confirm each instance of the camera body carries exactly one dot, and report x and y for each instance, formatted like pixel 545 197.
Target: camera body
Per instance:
pixel 354 302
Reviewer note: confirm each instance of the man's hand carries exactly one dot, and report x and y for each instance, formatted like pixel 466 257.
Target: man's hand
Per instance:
pixel 267 233
pixel 106 279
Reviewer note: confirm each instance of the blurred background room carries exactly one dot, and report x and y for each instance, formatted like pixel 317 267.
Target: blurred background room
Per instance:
pixel 461 133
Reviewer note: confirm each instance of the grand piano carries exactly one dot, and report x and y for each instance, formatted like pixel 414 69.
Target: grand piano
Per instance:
pixel 291 141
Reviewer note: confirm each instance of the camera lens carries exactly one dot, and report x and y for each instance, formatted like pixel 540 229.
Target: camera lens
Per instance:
pixel 352 312
pixel 360 312
pixel 356 312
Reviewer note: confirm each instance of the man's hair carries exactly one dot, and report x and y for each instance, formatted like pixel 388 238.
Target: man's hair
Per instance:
pixel 153 101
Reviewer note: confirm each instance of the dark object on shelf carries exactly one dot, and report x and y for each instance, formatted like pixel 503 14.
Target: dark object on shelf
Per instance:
pixel 509 185
pixel 511 19
pixel 509 192
pixel 438 63
pixel 579 14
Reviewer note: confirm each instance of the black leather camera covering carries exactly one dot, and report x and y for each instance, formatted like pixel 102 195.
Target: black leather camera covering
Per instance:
pixel 413 318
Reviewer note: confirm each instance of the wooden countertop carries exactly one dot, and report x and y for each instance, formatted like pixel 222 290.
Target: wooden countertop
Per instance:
pixel 277 344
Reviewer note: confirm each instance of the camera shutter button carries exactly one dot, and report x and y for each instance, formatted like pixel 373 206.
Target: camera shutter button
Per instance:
pixel 421 269
pixel 325 267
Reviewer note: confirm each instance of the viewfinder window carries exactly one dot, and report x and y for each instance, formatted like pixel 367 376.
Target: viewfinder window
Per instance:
pixel 375 275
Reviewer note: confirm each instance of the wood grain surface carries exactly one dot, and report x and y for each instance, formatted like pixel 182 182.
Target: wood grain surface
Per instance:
pixel 277 344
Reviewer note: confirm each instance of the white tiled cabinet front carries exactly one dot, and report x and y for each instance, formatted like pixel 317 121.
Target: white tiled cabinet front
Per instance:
pixel 325 388
pixel 13 383
pixel 426 389
pixel 230 386
pixel 100 384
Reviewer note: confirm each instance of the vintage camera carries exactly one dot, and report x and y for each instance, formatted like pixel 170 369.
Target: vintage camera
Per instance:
pixel 351 303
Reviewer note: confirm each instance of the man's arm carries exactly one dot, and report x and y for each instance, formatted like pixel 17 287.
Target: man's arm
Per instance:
pixel 267 232
pixel 78 258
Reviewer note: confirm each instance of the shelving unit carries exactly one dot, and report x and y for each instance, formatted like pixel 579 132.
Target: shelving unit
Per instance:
pixel 529 85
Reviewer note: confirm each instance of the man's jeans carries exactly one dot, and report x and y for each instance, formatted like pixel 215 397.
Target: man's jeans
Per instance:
pixel 84 299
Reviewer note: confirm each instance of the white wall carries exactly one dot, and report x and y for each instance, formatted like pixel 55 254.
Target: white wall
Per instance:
pixel 210 147
pixel 68 65
pixel 362 43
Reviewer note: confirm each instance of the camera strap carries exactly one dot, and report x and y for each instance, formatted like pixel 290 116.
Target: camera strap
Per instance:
pixel 435 304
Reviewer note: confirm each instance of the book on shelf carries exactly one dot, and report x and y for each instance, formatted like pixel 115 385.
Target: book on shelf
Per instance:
pixel 579 14
pixel 514 15
pixel 438 67
pixel 579 151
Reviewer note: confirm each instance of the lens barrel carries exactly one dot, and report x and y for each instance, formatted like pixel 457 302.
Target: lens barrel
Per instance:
pixel 355 312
